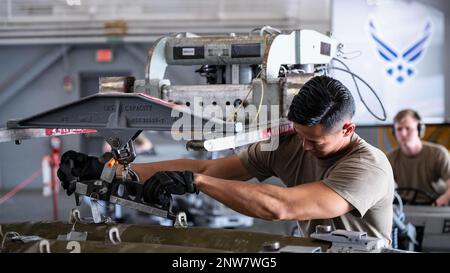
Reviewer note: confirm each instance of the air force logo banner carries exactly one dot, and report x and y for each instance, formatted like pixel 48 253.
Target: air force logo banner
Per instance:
pixel 400 65
pixel 402 55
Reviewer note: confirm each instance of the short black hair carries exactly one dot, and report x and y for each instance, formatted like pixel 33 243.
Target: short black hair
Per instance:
pixel 322 100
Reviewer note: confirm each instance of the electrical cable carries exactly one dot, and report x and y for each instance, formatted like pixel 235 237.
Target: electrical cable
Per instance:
pixel 359 93
pixel 342 53
pixel 261 100
pixel 246 96
pixel 347 70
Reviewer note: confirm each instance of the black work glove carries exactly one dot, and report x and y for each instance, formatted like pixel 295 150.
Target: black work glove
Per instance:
pixel 75 165
pixel 158 188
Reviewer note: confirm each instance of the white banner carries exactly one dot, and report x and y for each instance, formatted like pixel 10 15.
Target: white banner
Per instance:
pixel 402 56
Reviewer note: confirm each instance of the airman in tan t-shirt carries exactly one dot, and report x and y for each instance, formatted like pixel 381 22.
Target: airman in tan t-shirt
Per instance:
pixel 419 164
pixel 362 175
pixel 422 171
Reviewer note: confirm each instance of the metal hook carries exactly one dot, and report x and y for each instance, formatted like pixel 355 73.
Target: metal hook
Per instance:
pixel 8 234
pixel 181 220
pixel 44 246
pixel 75 216
pixel 114 236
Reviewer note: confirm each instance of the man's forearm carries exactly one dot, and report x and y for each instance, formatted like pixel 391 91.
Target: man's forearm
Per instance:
pixel 256 200
pixel 314 200
pixel 225 168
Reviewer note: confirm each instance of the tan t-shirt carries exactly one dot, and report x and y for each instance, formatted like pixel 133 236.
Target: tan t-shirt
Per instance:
pixel 422 170
pixel 362 175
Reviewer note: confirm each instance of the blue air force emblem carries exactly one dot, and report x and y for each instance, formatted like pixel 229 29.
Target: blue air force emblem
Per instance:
pixel 401 65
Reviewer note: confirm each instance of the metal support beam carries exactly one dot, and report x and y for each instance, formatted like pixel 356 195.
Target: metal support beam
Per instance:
pixel 35 70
